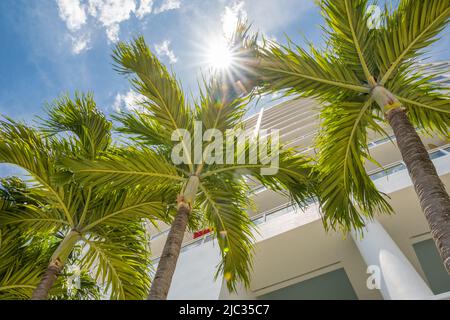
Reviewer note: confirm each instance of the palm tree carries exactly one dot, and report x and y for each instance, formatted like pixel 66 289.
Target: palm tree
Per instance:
pixel 107 225
pixel 366 77
pixel 210 194
pixel 24 256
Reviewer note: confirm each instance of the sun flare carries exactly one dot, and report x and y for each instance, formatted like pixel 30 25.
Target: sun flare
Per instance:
pixel 219 55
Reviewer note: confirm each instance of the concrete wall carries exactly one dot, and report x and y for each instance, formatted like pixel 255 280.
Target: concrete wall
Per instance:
pixel 194 275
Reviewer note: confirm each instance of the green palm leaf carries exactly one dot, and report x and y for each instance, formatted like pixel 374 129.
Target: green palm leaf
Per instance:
pixel 163 97
pixel 293 174
pixel 117 208
pixel 427 103
pixel 130 167
pixel 223 202
pixel 346 191
pixel 120 258
pixel 411 28
pixel 82 118
pixel 218 109
pixel 323 76
pixel 19 274
pixel 349 35
pixel 26 148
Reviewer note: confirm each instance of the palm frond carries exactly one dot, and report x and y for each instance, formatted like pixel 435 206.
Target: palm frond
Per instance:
pixel 427 103
pixel 349 35
pixel 81 117
pixel 25 209
pixel 26 148
pixel 242 78
pixel 121 260
pixel 290 172
pixel 163 97
pixel 24 256
pixel 223 200
pixel 346 192
pixel 312 74
pixel 23 260
pixel 28 217
pixel 217 111
pixel 126 168
pixel 118 207
pixel 142 128
pixel 411 28
pixel 76 286
pixel 19 272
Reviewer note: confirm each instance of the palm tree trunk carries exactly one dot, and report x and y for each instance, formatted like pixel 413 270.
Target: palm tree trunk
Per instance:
pixel 47 281
pixel 168 261
pixel 169 257
pixel 434 199
pixel 55 266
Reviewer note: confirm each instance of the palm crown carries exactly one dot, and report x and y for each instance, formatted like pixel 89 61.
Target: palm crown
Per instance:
pixel 107 226
pixel 345 77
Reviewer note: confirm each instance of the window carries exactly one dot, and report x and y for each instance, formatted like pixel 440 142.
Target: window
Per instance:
pixel 333 285
pixel 437 154
pixel 432 266
pixel 397 168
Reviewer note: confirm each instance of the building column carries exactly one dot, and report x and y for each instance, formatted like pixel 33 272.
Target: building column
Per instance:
pixel 399 279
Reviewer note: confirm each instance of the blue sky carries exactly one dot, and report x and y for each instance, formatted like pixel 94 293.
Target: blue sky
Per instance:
pixel 55 46
pixel 52 47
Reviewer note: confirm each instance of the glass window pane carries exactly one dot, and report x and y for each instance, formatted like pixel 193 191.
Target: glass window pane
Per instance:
pixel 397 168
pixel 280 212
pixel 436 154
pixel 259 220
pixel 377 175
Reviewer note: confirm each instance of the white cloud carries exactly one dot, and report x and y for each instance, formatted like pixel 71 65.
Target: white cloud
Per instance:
pixel 111 13
pixel 73 13
pixel 168 5
pixel 163 49
pixel 108 13
pixel 145 7
pixel 231 17
pixel 112 32
pixel 80 43
pixel 128 101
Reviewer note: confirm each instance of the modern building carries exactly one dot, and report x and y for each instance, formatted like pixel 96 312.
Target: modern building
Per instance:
pixel 296 259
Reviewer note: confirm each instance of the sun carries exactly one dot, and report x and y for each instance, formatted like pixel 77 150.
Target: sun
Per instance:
pixel 219 56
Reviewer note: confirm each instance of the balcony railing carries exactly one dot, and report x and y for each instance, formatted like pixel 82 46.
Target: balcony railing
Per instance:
pixel 375 143
pixel 273 213
pixel 400 165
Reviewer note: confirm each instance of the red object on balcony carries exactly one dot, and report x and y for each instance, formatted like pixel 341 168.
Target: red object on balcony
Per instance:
pixel 202 232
